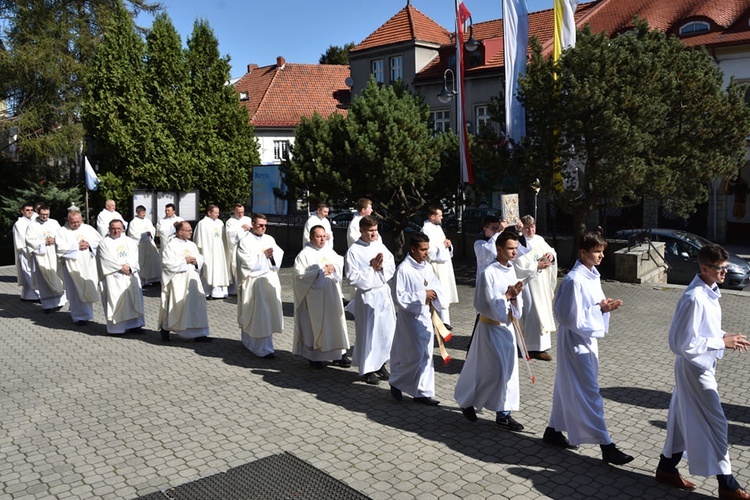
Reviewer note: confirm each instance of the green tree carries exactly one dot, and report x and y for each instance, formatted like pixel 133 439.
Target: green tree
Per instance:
pixel 631 116
pixel 337 55
pixel 225 147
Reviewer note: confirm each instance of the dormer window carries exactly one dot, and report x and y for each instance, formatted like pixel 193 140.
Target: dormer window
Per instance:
pixel 243 96
pixel 694 27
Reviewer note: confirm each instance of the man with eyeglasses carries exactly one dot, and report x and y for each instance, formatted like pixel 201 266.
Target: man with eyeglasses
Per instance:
pixel 23 268
pixel 259 309
pixel 183 302
pixel 696 423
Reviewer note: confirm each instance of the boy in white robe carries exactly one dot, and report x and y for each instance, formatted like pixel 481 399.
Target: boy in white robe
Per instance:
pixel 538 271
pixel 209 238
pixel 45 272
pixel 122 298
pixel 441 259
pixel 259 310
pixel 369 267
pixel 416 290
pixel 23 259
pixel 319 218
pixel 142 231
pixel 696 423
pixel 364 208
pixel 76 244
pixel 183 302
pixel 319 323
pixel 489 378
pixel 237 226
pixel 582 310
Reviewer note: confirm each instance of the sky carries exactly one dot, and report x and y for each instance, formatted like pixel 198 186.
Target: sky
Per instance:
pixel 256 32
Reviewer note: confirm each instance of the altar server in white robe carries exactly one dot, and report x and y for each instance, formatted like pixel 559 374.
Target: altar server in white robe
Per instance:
pixel 538 271
pixel 364 208
pixel 183 311
pixel 441 259
pixel 23 264
pixel 319 218
pixel 369 267
pixel 319 324
pixel 142 231
pixel 107 214
pixel 237 226
pixel 583 312
pixel 259 310
pixel 489 378
pixel 696 424
pixel 209 237
pixel 122 298
pixel 416 290
pixel 76 244
pixel 46 274
pixel 484 249
pixel 166 226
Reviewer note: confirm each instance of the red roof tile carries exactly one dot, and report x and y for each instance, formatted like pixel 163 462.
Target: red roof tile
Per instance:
pixel 409 24
pixel 280 96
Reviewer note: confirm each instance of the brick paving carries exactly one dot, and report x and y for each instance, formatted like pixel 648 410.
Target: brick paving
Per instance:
pixel 85 415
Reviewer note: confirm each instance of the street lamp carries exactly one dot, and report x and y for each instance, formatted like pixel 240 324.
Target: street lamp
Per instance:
pixel 447 95
pixel 471 44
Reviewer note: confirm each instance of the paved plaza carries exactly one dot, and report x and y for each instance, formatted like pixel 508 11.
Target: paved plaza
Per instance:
pixel 86 415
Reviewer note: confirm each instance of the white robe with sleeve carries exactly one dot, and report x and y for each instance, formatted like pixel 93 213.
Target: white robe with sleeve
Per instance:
pixel 313 221
pixel 412 368
pixel 45 271
pixel 104 218
pixel 209 238
pixel 122 297
pixel 577 406
pixel 319 324
pixel 166 230
pixel 371 305
pixel 259 308
pixel 696 423
pixel 183 302
pixel 23 264
pixel 79 269
pixel 233 233
pixel 486 253
pixel 142 231
pixel 538 294
pixel 489 378
pixel 441 259
pixel 352 232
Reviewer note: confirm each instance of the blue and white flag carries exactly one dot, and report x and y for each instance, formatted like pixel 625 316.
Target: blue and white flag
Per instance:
pixel 92 180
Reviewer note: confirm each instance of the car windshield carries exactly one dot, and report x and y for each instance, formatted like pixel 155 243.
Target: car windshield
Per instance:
pixel 696 240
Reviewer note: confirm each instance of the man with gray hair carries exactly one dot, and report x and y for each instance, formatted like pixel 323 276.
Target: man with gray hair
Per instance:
pixel 107 214
pixel 40 243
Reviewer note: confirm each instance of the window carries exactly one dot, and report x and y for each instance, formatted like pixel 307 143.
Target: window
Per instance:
pixel 397 71
pixel 441 120
pixel 243 96
pixel 481 117
pixel 376 70
pixel 280 150
pixel 694 27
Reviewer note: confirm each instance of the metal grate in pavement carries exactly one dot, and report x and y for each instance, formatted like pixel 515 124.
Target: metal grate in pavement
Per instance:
pixel 278 477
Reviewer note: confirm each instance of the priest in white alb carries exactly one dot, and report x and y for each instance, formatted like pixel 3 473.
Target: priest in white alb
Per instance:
pixel 319 218
pixel 416 291
pixel 46 275
pixel 538 271
pixel 237 226
pixel 209 237
pixel 320 333
pixel 184 311
pixel 142 231
pixel 259 310
pixel 441 259
pixel 107 214
pixel 165 228
pixel 76 244
pixel 122 297
pixel 23 264
pixel 364 208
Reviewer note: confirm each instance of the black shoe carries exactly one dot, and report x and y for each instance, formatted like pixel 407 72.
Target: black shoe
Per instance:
pixel 269 356
pixel 557 438
pixel 203 339
pixel 344 362
pixel 448 327
pixel 470 414
pixel 318 365
pixel 81 322
pixel 612 455
pixel 508 422
pixel 383 373
pixel 396 393
pixel 371 378
pixel 165 335
pixel 426 401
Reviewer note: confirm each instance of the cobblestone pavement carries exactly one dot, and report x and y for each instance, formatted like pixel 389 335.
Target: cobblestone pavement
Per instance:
pixel 85 415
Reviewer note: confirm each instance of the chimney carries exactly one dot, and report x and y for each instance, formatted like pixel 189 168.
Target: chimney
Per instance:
pixel 280 62
pixel 251 67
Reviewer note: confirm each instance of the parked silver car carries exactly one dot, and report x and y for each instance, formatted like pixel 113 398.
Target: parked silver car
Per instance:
pixel 681 253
